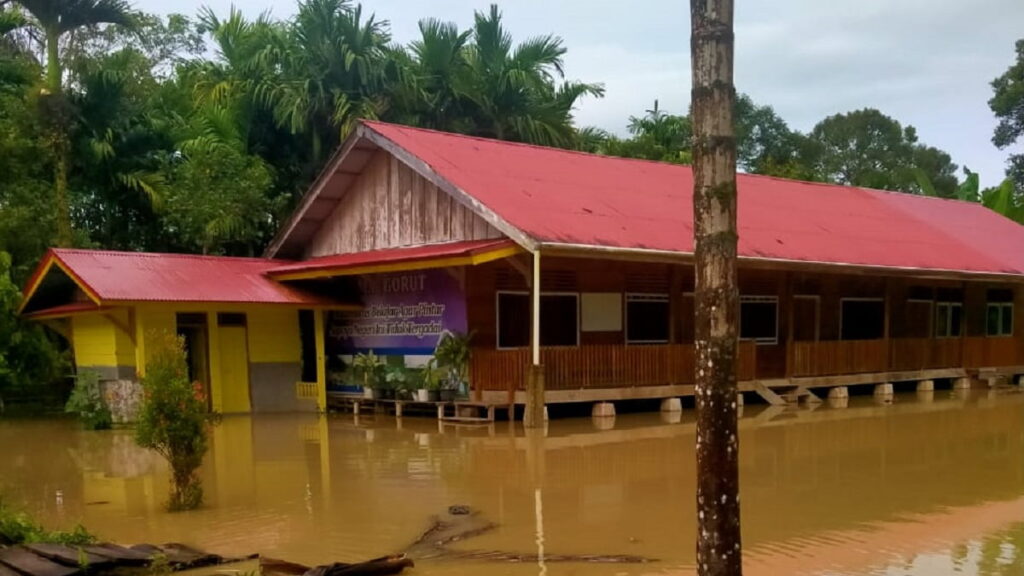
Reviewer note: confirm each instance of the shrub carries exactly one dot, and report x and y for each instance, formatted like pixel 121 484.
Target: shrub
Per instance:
pixel 173 419
pixel 18 528
pixel 86 400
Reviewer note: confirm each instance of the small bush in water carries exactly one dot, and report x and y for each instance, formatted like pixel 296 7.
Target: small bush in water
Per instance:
pixel 86 400
pixel 18 528
pixel 173 419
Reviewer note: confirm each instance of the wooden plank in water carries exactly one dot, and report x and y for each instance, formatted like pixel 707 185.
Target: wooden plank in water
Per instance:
pixel 68 555
pixel 27 562
pixel 5 571
pixel 121 554
pixel 187 556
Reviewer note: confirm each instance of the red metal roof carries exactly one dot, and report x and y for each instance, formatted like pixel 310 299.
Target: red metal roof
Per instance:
pixel 564 197
pixel 411 254
pixel 149 277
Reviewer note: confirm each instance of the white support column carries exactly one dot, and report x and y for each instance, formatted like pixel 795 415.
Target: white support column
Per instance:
pixel 535 310
pixel 535 410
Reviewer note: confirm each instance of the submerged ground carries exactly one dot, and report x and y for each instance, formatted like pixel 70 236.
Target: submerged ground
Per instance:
pixel 926 486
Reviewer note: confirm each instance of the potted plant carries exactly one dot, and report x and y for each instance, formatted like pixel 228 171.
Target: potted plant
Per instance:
pixel 399 381
pixel 452 355
pixel 367 369
pixel 430 377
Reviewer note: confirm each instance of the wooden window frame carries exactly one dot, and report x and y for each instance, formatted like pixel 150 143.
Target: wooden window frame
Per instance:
pixel 1003 307
pixel 931 313
pixel 644 297
pixel 756 299
pixel 497 317
pixel 949 313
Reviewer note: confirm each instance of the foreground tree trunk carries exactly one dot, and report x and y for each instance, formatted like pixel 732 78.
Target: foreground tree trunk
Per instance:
pixel 717 298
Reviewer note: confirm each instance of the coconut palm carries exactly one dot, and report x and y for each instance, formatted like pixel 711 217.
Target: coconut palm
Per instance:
pixel 54 19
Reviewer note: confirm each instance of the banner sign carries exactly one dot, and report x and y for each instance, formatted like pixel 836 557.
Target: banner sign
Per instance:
pixel 403 314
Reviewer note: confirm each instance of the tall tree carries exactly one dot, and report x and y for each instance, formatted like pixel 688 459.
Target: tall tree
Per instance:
pixel 717 296
pixel 1008 105
pixel 867 148
pixel 55 19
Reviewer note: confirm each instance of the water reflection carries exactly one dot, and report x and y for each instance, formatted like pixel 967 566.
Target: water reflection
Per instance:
pixel 931 484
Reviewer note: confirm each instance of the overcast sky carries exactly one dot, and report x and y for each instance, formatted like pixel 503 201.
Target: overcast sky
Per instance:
pixel 924 62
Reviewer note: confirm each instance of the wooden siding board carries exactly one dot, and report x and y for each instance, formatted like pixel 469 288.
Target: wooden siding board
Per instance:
pixel 390 205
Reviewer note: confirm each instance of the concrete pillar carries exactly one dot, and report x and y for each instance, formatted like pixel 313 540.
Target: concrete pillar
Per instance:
pixel 603 410
pixel 671 417
pixel 355 408
pixel 838 402
pixel 839 392
pixel 962 384
pixel 533 415
pixel 925 396
pixel 739 400
pixel 603 422
pixel 883 390
pixel 440 411
pixel 398 409
pixel 671 405
pixel 926 386
pixel 1020 380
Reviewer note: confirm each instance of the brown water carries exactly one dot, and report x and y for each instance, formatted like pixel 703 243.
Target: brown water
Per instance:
pixel 921 487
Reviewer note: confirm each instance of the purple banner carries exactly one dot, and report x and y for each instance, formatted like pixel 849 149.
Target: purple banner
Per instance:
pixel 403 314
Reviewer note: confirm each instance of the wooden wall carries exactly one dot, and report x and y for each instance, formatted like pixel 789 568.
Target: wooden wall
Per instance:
pixel 390 206
pixel 593 275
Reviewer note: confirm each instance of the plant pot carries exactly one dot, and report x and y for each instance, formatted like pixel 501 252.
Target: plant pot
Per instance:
pixel 448 395
pixel 433 395
pixel 403 394
pixel 370 394
pixel 423 395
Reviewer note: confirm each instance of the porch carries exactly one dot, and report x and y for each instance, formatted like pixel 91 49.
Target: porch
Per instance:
pixel 619 372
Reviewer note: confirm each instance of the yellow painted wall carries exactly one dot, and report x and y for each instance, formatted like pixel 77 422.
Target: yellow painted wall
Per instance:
pixel 92 335
pixel 274 335
pixel 99 341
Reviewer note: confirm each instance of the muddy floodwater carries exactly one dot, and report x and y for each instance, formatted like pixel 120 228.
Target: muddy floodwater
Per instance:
pixel 926 486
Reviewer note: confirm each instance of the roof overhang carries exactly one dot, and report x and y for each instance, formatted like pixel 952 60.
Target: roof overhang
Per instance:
pixel 467 253
pixel 673 257
pixel 65 310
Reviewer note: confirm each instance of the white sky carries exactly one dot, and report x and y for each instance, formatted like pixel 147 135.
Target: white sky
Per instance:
pixel 924 62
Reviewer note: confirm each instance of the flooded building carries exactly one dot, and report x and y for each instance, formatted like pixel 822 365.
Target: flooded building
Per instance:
pixel 580 265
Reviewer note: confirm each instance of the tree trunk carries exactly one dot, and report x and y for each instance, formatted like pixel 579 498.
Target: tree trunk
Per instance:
pixel 59 137
pixel 717 298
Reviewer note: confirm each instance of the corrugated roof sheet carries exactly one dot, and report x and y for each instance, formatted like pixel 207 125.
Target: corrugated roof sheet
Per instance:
pixel 150 277
pixel 565 197
pixel 393 256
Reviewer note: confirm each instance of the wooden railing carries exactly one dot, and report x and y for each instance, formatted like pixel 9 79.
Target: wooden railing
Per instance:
pixel 834 357
pixel 925 353
pixel 990 352
pixel 602 366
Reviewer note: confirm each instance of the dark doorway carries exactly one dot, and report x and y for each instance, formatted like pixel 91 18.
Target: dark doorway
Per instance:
pixel 191 327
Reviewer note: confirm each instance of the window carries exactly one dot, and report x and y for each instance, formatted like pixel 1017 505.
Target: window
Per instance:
pixel 647 318
pixel 917 317
pixel 999 319
pixel 559 319
pixel 230 319
pixel 759 319
pixel 862 318
pixel 307 339
pixel 948 319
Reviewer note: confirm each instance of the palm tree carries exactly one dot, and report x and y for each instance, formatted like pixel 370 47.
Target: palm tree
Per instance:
pixel 54 19
pixel 519 91
pixel 333 73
